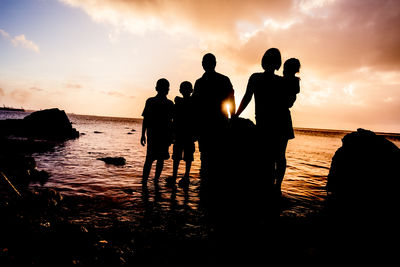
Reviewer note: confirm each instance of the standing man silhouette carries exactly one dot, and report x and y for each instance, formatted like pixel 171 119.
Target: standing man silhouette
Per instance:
pixel 213 97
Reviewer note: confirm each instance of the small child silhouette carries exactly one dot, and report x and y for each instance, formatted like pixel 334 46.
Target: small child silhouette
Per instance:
pixel 291 82
pixel 183 133
pixel 291 87
pixel 157 124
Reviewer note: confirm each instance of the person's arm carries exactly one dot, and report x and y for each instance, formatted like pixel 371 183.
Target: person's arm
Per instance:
pixel 246 98
pixel 144 124
pixel 144 128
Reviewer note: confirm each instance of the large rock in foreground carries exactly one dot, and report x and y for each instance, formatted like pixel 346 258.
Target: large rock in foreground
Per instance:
pixel 48 123
pixel 365 170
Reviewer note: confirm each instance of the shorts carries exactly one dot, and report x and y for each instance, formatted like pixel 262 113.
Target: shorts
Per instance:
pixel 157 149
pixel 185 148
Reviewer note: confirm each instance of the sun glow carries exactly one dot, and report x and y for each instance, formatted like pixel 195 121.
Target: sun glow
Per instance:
pixel 228 110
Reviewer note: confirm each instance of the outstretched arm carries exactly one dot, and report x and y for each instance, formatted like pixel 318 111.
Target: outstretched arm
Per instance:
pixel 246 99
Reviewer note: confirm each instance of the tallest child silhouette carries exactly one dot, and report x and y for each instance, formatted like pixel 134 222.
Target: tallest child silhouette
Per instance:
pixel 157 126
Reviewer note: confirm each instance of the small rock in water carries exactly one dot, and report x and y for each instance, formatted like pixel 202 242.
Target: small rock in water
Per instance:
pixel 128 191
pixel 119 161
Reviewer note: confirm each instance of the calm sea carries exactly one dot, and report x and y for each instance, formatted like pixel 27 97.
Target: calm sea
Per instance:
pixel 76 170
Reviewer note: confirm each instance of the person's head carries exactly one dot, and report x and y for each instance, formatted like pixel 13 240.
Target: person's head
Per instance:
pixel 186 88
pixel 162 87
pixel 291 67
pixel 271 60
pixel 209 62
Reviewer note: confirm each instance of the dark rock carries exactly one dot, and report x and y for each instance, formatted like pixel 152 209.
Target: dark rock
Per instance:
pixel 48 124
pixel 97 132
pixel 232 172
pixel 21 170
pixel 118 161
pixel 365 171
pixel 25 145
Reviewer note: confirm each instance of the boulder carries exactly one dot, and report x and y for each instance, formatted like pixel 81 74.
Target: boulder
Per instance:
pixel 48 124
pixel 365 171
pixel 21 170
pixel 118 161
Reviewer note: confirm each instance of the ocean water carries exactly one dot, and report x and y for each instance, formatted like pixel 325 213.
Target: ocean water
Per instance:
pixel 76 171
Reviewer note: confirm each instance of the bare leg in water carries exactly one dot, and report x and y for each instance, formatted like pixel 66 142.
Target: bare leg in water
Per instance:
pixel 147 168
pixel 175 169
pixel 159 168
pixel 280 168
pixel 185 180
pixel 146 171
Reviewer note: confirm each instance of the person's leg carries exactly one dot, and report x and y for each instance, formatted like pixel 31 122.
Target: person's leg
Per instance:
pixel 184 182
pixel 146 170
pixel 159 168
pixel 172 179
pixel 280 163
pixel 176 156
pixel 188 166
pixel 175 168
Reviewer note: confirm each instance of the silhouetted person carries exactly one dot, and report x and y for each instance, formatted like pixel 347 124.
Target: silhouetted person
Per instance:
pixel 271 115
pixel 183 133
pixel 157 124
pixel 212 92
pixel 290 87
pixel 290 80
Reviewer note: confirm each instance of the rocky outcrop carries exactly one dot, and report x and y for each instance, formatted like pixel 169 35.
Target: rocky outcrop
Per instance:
pixel 20 170
pixel 47 124
pixel 365 170
pixel 38 132
pixel 118 161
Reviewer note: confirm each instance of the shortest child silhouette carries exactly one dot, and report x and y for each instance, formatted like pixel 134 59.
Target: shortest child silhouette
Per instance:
pixel 183 133
pixel 157 124
pixel 291 81
pixel 291 87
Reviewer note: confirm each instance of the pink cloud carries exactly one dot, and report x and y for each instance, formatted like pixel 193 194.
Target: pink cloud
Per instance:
pixel 73 86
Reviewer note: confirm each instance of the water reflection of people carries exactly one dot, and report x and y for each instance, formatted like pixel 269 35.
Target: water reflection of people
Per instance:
pixel 211 93
pixel 272 120
pixel 157 125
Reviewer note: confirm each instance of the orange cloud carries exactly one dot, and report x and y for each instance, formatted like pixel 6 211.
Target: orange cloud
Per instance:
pixel 209 15
pixel 349 49
pixel 118 94
pixel 34 88
pixel 329 35
pixel 73 86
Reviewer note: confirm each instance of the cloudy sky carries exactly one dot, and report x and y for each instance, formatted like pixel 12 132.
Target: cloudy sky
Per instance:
pixel 103 57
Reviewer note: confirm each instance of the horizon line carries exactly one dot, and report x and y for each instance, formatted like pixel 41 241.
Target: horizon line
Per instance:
pixel 298 128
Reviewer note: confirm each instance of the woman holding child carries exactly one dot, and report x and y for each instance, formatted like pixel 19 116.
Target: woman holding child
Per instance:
pixel 273 96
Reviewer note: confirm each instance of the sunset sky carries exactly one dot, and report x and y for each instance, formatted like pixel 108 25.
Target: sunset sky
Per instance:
pixel 103 57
